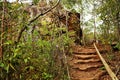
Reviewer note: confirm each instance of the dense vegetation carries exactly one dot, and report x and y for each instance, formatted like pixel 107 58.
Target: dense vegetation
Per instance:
pixel 35 48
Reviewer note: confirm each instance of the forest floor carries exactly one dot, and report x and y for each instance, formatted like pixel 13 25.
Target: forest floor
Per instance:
pixel 85 64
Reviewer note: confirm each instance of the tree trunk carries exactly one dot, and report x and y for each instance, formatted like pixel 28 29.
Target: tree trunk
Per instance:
pixel 2 29
pixel 94 24
pixel 94 29
pixel 118 25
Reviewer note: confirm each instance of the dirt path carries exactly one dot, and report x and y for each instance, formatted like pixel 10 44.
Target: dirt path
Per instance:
pixel 86 65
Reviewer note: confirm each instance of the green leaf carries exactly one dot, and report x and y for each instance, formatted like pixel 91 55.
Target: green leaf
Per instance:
pixel 31 67
pixel 8 42
pixel 25 60
pixel 2 65
pixel 102 68
pixel 7 68
pixel 16 52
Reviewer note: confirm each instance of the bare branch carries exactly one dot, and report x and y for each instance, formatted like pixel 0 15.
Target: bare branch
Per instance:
pixel 32 20
pixel 41 14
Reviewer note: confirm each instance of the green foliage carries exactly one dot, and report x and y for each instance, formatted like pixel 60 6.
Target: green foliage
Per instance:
pixel 111 11
pixel 35 56
pixel 46 76
pixel 31 60
pixel 117 46
pixel 70 4
pixel 35 1
pixel 102 68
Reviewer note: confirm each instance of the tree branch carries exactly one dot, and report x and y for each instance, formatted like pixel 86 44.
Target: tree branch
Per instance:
pixel 32 20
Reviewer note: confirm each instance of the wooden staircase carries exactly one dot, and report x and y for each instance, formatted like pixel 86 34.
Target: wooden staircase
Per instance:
pixel 86 65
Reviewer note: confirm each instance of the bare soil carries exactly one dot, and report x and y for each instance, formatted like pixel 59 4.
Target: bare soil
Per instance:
pixel 113 59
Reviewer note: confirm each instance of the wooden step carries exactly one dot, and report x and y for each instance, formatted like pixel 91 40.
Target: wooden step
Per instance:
pixel 87 75
pixel 85 64
pixel 85 53
pixel 86 61
pixel 85 67
pixel 82 56
pixel 71 64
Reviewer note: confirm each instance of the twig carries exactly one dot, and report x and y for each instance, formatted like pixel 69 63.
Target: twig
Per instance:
pixel 66 66
pixel 118 69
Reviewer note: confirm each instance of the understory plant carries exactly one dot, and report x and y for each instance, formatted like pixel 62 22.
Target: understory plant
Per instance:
pixel 35 58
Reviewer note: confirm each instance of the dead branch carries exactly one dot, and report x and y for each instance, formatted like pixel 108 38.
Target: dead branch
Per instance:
pixel 32 20
pixel 117 69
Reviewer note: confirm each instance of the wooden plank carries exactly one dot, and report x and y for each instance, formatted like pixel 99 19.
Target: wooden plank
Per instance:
pixel 110 72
